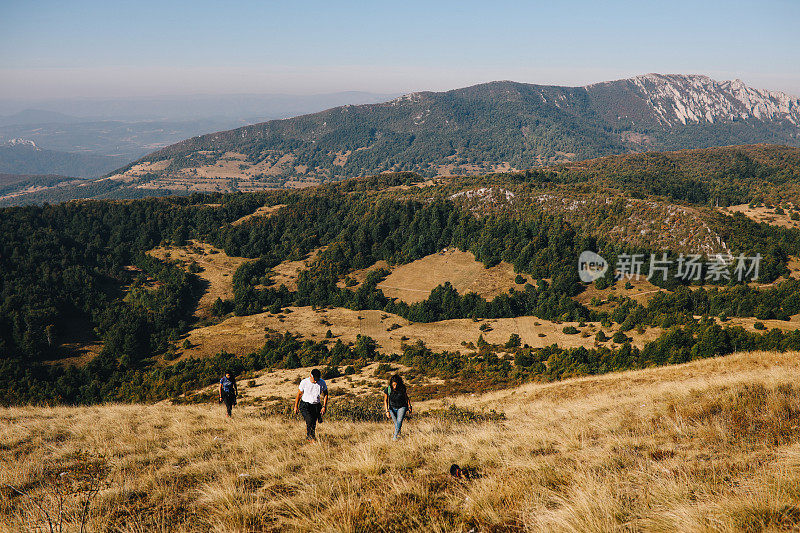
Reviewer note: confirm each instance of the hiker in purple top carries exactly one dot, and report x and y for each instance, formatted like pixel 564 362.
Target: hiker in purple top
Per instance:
pixel 228 392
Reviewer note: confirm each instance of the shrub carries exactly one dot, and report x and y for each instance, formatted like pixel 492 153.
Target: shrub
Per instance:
pixel 620 338
pixel 570 330
pixel 514 341
pixel 759 326
pixel 330 372
pixel 453 413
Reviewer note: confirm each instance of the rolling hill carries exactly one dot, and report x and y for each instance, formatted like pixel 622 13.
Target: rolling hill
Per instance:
pixel 494 126
pixel 388 266
pixel 24 157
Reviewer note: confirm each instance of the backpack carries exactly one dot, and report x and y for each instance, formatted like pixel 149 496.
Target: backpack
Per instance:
pixel 227 385
pixel 397 399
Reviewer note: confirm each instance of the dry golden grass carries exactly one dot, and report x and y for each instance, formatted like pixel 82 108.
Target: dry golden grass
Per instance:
pixel 288 272
pixel 764 214
pixel 264 211
pixel 245 334
pixel 217 270
pixel 641 290
pixel 706 446
pixel 413 282
pixel 283 382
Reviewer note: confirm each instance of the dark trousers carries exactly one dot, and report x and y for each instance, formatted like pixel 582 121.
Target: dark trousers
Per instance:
pixel 310 412
pixel 230 400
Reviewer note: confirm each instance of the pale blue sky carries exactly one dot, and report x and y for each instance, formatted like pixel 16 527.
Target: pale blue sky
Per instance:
pixel 107 48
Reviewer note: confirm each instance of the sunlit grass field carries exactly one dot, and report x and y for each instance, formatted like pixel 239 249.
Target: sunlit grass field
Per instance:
pixel 712 445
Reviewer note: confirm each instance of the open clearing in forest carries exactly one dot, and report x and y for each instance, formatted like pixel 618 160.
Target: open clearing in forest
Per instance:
pixel 768 215
pixel 245 334
pixel 216 270
pixel 288 272
pixel 265 211
pixel 413 282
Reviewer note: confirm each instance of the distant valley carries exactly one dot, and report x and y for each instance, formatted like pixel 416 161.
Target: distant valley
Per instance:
pixel 88 138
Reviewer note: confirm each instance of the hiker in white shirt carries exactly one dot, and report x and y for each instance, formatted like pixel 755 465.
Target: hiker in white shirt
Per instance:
pixel 312 402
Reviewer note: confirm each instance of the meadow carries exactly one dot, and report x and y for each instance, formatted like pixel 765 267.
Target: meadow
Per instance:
pixel 710 445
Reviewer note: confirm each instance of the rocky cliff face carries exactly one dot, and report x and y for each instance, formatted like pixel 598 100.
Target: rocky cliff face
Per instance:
pixel 683 99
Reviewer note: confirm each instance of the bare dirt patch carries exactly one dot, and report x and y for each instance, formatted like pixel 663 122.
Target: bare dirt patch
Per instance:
pixel 216 270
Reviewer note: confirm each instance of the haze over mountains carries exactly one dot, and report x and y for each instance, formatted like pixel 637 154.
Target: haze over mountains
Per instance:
pixel 99 135
pixel 504 124
pixel 496 126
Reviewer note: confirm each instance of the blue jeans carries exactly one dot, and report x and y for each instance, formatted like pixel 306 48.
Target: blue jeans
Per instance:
pixel 397 418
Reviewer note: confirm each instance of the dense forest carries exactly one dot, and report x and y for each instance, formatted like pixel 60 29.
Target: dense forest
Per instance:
pixel 78 272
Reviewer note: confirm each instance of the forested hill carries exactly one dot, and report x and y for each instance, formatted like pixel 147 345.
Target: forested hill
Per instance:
pixel 79 277
pixel 486 127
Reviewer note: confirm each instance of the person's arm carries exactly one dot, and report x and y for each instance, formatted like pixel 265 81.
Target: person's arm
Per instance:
pixel 235 390
pixel 297 401
pixel 386 404
pixel 220 390
pixel 324 401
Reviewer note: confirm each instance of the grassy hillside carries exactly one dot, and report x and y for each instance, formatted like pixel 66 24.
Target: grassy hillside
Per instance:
pixel 710 445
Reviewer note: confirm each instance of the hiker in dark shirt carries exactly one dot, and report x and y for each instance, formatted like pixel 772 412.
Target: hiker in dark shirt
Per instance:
pixel 228 392
pixel 396 403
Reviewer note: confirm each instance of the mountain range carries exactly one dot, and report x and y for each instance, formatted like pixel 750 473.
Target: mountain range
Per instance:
pixel 497 125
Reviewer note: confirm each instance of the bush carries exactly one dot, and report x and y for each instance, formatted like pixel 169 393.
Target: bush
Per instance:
pixel 330 372
pixel 570 330
pixel 620 338
pixel 514 341
pixel 759 326
pixel 356 409
pixel 519 280
pixel 452 413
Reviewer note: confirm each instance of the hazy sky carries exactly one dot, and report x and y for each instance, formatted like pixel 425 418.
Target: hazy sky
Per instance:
pixel 120 48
